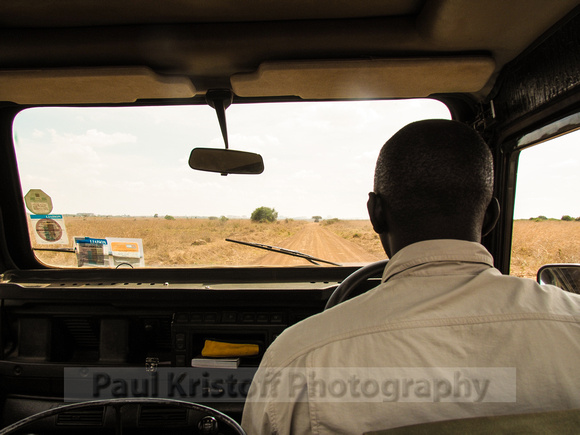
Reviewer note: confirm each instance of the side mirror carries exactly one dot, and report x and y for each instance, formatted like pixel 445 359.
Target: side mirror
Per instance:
pixel 226 161
pixel 565 276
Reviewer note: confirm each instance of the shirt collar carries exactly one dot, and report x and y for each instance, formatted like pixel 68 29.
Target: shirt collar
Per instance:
pixel 433 251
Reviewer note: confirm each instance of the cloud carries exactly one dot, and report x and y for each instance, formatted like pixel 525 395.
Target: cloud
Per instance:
pixel 92 138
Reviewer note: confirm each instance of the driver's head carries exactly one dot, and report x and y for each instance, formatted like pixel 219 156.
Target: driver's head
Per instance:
pixel 433 179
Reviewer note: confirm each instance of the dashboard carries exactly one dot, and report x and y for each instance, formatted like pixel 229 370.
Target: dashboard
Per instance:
pixel 58 320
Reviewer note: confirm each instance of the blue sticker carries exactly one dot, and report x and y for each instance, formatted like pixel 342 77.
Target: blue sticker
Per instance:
pixel 90 241
pixel 45 216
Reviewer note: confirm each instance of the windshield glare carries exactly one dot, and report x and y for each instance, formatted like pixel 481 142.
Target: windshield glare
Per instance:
pixel 111 186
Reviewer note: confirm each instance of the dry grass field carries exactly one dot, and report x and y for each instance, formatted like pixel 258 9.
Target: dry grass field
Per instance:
pixel 196 242
pixel 537 243
pixel 179 242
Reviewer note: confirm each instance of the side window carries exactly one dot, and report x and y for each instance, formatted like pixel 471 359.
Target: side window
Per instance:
pixel 547 209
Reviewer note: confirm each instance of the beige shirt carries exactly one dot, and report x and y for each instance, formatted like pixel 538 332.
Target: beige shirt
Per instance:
pixel 445 336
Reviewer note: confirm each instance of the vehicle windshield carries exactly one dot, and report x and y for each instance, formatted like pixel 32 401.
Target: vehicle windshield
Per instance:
pixel 111 186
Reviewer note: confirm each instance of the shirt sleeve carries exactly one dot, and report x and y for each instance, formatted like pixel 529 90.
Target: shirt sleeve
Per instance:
pixel 266 413
pixel 256 418
pixel 278 418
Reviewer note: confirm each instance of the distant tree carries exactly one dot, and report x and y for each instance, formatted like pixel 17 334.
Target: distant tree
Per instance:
pixel 264 214
pixel 155 215
pixel 316 218
pixel 223 219
pixel 213 218
pixel 330 221
pixel 567 218
pixel 169 217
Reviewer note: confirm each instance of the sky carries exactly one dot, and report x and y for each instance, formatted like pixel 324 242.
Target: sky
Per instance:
pixel 549 179
pixel 319 159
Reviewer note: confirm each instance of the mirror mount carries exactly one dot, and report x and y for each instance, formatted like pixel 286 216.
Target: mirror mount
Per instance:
pixel 224 161
pixel 220 100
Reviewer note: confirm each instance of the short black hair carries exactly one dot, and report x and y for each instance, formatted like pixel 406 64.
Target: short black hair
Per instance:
pixel 437 168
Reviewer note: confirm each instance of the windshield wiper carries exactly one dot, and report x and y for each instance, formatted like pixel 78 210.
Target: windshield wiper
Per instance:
pixel 284 251
pixel 69 250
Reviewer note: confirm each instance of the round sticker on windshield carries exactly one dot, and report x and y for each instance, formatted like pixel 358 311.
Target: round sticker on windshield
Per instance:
pixel 49 230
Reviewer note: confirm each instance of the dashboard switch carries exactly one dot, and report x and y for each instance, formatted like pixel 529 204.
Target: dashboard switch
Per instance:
pixel 208 425
pixel 276 318
pixel 180 341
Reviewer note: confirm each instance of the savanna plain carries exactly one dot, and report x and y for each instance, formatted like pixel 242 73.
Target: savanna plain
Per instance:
pixel 195 242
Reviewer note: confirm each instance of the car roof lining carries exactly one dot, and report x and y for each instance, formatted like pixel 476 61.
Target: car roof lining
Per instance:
pixel 211 42
pixel 74 13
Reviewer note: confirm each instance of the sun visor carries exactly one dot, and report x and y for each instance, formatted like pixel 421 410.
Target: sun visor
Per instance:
pixel 90 85
pixel 376 78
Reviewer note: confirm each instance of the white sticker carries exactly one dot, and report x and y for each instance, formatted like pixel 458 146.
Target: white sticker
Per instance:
pixel 49 229
pixel 38 202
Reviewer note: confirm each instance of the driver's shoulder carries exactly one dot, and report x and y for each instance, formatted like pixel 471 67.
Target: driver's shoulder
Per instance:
pixel 336 324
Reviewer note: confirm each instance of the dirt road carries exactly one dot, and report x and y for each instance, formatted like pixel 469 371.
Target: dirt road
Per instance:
pixel 319 242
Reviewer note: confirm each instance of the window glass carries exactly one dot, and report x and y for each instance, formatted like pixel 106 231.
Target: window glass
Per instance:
pixel 547 209
pixel 123 194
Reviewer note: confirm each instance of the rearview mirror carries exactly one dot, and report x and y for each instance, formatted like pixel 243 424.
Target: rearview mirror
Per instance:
pixel 565 276
pixel 226 161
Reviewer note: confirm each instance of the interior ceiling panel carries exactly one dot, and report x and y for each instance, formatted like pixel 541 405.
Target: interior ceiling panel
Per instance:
pixel 208 42
pixel 73 13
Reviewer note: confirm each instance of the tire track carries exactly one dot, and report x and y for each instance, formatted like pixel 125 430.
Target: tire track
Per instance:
pixel 319 242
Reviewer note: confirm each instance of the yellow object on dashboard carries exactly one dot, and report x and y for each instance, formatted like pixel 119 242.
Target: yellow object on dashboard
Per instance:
pixel 219 349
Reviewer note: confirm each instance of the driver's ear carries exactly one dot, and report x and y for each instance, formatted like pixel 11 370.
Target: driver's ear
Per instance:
pixel 377 214
pixel 491 217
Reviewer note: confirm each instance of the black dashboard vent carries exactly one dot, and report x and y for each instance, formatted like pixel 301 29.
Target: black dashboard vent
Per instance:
pixel 83 330
pixel 155 416
pixel 82 417
pixel 158 331
pixel 163 339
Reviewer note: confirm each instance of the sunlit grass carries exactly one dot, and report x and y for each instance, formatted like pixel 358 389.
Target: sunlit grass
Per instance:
pixel 537 243
pixel 179 242
pixel 198 242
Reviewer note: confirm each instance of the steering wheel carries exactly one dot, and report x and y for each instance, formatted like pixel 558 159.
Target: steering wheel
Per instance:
pixel 211 421
pixel 350 287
